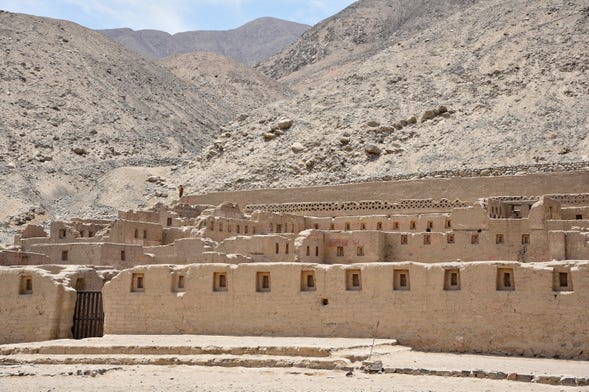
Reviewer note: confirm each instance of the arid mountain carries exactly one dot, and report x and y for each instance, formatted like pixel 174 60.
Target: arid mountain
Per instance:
pixel 453 85
pixel 242 88
pixel 386 88
pixel 248 44
pixel 362 29
pixel 76 105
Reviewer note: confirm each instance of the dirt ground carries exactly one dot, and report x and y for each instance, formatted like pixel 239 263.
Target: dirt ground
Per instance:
pixel 194 378
pixel 249 363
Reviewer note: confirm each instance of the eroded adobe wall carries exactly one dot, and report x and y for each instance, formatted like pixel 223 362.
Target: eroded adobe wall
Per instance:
pixel 101 254
pixel 44 312
pixel 269 248
pixel 182 251
pixel 8 257
pixel 468 246
pixel 468 190
pixel 528 318
pixel 133 232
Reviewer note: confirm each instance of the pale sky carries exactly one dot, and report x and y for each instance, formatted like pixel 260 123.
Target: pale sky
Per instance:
pixel 176 15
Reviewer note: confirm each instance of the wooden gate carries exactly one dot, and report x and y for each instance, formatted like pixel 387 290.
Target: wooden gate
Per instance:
pixel 88 315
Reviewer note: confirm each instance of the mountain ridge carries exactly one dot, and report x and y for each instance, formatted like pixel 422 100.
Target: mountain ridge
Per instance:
pixel 248 44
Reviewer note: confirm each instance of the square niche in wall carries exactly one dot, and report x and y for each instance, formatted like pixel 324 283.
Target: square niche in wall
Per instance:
pixel 401 280
pixel 178 282
pixel 452 279
pixel 562 280
pixel 220 281
pixel 26 284
pixel 263 282
pixel 138 283
pixel 308 281
pixel 353 280
pixel 505 279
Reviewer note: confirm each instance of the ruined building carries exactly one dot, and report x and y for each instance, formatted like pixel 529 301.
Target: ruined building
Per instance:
pixel 499 274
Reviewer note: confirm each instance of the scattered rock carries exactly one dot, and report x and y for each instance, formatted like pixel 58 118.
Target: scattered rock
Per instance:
pixel 386 129
pixel 242 117
pixel 269 136
pixel 285 124
pixel 398 126
pixel 428 115
pixel 412 120
pixel 568 381
pixel 344 140
pixel 372 149
pixel 79 150
pixel 431 114
pixel 43 158
pixel 373 124
pixel 551 380
pixel 297 147
pixel 372 367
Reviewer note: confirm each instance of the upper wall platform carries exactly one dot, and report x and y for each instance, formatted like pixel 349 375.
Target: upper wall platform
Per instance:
pixel 468 190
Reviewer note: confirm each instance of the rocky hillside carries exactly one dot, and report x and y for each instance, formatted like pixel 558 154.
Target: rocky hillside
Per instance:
pixel 76 105
pixel 385 89
pixel 364 28
pixel 248 44
pixel 242 88
pixel 453 85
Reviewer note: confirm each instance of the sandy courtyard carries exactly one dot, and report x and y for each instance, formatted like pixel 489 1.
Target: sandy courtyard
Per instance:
pixel 196 378
pixel 228 363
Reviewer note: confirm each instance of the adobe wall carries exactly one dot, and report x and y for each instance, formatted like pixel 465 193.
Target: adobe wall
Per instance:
pixel 45 313
pixel 368 246
pixel 467 190
pixel 220 228
pixel 268 248
pixel 364 207
pixel 183 251
pixel 160 216
pixel 140 216
pixel 76 229
pixel 577 245
pixel 8 257
pixel 532 319
pixel 133 232
pixel 119 256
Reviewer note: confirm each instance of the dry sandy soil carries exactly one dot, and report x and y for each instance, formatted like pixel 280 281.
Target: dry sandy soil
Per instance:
pixel 191 378
pixel 234 363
